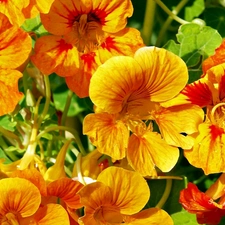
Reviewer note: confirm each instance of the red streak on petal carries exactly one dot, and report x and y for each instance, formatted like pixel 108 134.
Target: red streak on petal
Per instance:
pixel 63 46
pixel 99 15
pixel 216 132
pixel 199 94
pixel 109 44
pixel 222 88
pixel 89 59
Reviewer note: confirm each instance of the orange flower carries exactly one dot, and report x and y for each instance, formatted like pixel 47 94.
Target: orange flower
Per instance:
pixel 92 33
pixel 216 59
pixel 128 90
pixel 23 205
pixel 209 145
pixel 117 197
pixel 15 47
pixel 18 10
pixel 199 203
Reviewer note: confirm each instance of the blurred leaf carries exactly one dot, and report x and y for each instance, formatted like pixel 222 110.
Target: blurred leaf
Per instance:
pixel 35 25
pixel 184 218
pixel 4 156
pixel 194 74
pixel 196 43
pixel 60 101
pixel 172 204
pixel 195 10
pixel 215 17
pixel 7 124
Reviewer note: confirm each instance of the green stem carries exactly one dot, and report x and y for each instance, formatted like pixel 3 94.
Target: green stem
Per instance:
pixel 47 101
pixel 169 21
pixel 67 106
pixel 148 21
pixel 165 194
pixel 11 136
pixel 69 129
pixel 170 13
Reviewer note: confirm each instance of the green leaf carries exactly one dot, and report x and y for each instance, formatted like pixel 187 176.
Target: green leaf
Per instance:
pixel 215 18
pixel 195 10
pixel 7 124
pixel 35 25
pixel 4 156
pixel 196 43
pixel 157 188
pixel 184 218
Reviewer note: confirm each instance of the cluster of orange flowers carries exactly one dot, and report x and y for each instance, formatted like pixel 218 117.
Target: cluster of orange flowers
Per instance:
pixel 144 112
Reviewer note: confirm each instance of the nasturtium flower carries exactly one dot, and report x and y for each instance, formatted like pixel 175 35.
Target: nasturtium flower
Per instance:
pixel 127 90
pixel 206 209
pixel 84 35
pixel 117 197
pixel 19 10
pixel 216 59
pixel 208 149
pixel 15 47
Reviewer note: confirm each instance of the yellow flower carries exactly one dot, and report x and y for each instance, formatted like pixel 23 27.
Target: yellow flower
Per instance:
pixel 117 197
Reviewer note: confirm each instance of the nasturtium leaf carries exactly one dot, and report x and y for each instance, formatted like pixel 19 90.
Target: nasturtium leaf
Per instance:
pixel 34 25
pixel 7 124
pixel 195 10
pixel 196 43
pixel 184 217
pixel 215 18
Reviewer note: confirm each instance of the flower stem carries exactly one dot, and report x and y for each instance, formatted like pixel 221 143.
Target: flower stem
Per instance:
pixel 69 129
pixel 47 101
pixel 170 13
pixel 148 21
pixel 67 106
pixel 165 194
pixel 169 21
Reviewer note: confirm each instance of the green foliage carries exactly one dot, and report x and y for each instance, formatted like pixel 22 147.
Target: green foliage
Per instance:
pixel 184 218
pixel 195 10
pixel 7 124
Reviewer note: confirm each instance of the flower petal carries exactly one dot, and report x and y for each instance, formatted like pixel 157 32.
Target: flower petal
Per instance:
pixel 147 151
pixel 54 54
pixel 66 189
pixel 52 214
pixel 9 93
pixel 165 73
pixel 130 190
pixel 151 216
pixel 109 135
pixel 208 151
pixel 20 196
pixel 175 123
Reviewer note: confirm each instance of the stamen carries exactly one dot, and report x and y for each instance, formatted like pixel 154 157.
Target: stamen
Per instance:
pixel 213 118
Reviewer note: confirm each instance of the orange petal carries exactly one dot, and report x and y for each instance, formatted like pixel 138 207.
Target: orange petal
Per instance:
pixel 9 93
pixel 95 197
pixel 175 123
pixel 113 16
pixel 54 54
pixel 130 190
pixel 79 83
pixel 52 214
pixel 125 42
pixel 147 151
pixel 217 58
pixel 66 189
pixel 20 196
pixel 34 177
pixel 109 135
pixel 165 74
pixel 151 216
pixel 195 201
pixel 208 151
pixel 15 47
pixel 116 83
pixel 13 10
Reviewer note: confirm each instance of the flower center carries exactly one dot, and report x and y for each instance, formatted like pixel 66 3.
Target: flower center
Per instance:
pixel 217 115
pixel 88 33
